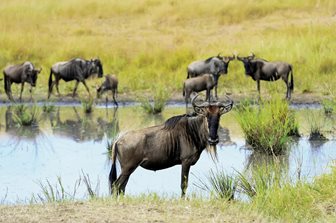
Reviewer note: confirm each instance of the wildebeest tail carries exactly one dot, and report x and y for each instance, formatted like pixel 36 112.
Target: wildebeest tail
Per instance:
pixel 183 90
pixel 5 82
pixel 291 87
pixel 113 172
pixel 50 80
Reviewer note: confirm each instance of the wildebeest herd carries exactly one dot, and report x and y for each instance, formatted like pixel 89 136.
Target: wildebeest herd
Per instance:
pixel 181 139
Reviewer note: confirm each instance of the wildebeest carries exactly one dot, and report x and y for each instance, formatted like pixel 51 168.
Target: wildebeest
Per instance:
pixel 179 141
pixel 197 84
pixel 110 83
pixel 260 69
pixel 20 73
pixel 213 65
pixel 76 69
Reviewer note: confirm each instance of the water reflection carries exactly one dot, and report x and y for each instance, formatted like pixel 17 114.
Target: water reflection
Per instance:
pixel 19 135
pixel 86 127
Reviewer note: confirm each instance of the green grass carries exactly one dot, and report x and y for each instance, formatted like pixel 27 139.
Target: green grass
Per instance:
pixel 26 115
pixel 152 41
pixel 267 127
pixel 219 184
pixel 156 104
pixel 88 105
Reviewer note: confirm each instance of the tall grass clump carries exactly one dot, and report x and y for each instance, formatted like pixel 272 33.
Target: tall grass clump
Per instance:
pixel 329 106
pixel 266 128
pixel 259 180
pixel 219 184
pixel 55 193
pixel 302 201
pixel 157 104
pixel 26 115
pixel 88 105
pixel 317 125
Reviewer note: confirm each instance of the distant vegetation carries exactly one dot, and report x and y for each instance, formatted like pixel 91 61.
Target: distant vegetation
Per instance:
pixel 151 42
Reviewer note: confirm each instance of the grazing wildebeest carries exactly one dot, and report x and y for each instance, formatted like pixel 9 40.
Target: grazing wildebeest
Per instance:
pixel 20 73
pixel 197 84
pixel 179 141
pixel 75 69
pixel 110 83
pixel 260 69
pixel 214 65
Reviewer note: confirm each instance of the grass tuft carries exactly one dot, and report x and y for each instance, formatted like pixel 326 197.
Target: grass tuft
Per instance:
pixel 157 104
pixel 219 184
pixel 88 105
pixel 267 127
pixel 26 115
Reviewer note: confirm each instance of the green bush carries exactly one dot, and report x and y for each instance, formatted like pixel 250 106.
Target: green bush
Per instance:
pixel 267 127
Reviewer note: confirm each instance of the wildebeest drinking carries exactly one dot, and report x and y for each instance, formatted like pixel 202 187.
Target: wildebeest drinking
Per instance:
pixel 20 73
pixel 110 84
pixel 216 66
pixel 180 140
pixel 260 69
pixel 76 69
pixel 197 84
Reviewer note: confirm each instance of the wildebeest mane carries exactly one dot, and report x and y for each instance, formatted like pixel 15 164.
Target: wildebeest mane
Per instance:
pixel 171 122
pixel 208 60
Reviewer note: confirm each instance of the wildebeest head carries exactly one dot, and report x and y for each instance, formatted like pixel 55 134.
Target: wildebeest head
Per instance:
pixel 32 76
pixel 212 111
pixel 226 61
pixel 97 67
pixel 249 66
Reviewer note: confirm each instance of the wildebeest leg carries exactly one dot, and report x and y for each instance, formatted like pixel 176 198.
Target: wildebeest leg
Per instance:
pixel 114 94
pixel 121 182
pixel 288 93
pixel 9 90
pixel 258 88
pixel 57 89
pixel 83 81
pixel 22 87
pixel 75 89
pixel 31 92
pixel 215 93
pixel 207 95
pixel 184 178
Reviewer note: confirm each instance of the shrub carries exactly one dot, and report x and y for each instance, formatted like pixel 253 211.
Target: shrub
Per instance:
pixel 25 116
pixel 158 103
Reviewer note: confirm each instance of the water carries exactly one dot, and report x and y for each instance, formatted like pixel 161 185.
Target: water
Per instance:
pixel 68 143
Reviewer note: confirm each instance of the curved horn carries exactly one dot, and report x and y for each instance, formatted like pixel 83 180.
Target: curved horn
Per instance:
pixel 252 55
pixel 224 108
pixel 199 109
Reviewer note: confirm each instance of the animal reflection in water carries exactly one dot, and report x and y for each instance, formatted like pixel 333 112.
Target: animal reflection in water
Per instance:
pixel 179 141
pixel 22 135
pixel 86 128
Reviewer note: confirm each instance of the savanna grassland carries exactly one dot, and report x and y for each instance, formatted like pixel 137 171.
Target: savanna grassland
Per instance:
pixel 149 44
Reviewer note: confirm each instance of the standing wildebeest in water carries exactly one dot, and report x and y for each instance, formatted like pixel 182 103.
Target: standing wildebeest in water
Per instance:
pixel 110 83
pixel 197 84
pixel 260 69
pixel 180 140
pixel 20 73
pixel 75 69
pixel 214 65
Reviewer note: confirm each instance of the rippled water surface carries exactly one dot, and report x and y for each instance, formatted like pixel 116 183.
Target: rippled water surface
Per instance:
pixel 67 143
